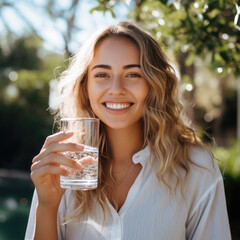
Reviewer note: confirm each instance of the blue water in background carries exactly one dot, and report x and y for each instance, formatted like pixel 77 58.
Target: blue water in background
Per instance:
pixel 16 190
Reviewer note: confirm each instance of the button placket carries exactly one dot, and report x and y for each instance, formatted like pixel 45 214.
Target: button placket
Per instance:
pixel 116 232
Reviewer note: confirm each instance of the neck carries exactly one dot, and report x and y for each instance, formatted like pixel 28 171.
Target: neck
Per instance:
pixel 124 143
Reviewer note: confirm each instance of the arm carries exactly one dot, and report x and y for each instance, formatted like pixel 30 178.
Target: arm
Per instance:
pixel 45 172
pixel 46 223
pixel 31 225
pixel 209 219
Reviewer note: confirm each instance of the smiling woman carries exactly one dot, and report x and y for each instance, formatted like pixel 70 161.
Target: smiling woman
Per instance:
pixel 156 178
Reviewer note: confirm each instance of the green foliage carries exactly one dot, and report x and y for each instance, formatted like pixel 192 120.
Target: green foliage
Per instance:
pixel 105 6
pixel 24 90
pixel 199 27
pixel 230 165
pixel 229 159
pixel 187 79
pixel 14 53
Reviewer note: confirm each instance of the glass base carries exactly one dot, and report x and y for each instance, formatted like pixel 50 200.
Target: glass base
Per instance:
pixel 82 185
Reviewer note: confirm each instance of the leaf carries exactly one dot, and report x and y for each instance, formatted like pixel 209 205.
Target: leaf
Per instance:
pixel 217 58
pixel 98 8
pixel 164 1
pixel 190 59
pixel 111 9
pixel 214 13
pixel 187 79
pixel 220 2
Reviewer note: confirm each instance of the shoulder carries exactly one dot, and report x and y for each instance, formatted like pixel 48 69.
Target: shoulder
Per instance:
pixel 204 174
pixel 203 159
pixel 204 189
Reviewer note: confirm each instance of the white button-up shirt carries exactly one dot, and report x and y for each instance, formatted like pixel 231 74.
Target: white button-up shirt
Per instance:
pixel 151 212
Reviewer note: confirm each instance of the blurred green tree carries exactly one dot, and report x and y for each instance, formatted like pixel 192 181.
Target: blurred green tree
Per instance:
pixel 190 29
pixel 64 14
pixel 24 91
pixel 197 27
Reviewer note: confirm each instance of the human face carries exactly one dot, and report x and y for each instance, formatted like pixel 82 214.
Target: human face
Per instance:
pixel 116 85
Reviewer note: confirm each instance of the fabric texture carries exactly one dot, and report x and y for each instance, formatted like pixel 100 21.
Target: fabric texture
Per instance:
pixel 151 211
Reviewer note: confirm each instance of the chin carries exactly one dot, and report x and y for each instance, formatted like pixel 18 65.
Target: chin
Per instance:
pixel 121 125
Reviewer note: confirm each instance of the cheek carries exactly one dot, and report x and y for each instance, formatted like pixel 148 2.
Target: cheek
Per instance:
pixel 91 89
pixel 94 95
pixel 144 92
pixel 92 98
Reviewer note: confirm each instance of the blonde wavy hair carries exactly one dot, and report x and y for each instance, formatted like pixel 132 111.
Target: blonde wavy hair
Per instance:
pixel 166 134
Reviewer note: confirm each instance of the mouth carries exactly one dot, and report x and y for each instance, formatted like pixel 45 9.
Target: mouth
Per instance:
pixel 117 106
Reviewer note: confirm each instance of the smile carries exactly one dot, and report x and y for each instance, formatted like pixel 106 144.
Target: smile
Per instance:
pixel 117 106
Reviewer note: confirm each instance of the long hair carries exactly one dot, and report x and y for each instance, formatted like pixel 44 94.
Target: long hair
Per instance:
pixel 166 134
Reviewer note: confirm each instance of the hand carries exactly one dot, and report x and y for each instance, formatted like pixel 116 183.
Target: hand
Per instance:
pixel 46 169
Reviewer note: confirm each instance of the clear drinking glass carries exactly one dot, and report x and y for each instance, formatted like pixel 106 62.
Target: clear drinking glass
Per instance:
pixel 86 132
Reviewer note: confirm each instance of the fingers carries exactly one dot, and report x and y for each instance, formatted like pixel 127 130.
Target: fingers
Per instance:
pixel 52 165
pixel 50 162
pixel 55 159
pixel 57 148
pixel 49 169
pixel 57 137
pixel 87 161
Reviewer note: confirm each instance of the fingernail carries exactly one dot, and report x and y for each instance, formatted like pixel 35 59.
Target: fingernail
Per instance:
pixel 79 146
pixel 78 165
pixel 67 173
pixel 68 133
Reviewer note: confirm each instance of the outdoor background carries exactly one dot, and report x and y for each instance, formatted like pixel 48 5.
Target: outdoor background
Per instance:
pixel 200 38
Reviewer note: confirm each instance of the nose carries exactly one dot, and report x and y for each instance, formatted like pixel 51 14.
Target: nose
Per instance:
pixel 117 87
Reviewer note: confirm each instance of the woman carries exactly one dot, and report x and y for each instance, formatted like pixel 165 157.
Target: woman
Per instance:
pixel 157 180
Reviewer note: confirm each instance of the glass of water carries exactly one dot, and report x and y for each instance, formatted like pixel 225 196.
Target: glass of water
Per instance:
pixel 86 132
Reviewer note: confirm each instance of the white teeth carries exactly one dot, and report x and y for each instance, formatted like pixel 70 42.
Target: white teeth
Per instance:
pixel 117 105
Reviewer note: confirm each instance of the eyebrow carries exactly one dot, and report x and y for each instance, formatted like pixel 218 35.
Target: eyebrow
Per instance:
pixel 109 67
pixel 131 66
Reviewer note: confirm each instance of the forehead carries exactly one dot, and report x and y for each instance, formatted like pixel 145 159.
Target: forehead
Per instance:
pixel 116 49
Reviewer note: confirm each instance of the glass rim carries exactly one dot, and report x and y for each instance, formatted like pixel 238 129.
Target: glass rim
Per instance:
pixel 79 119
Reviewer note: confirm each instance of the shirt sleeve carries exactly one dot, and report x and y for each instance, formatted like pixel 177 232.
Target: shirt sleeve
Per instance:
pixel 209 219
pixel 30 231
pixel 61 227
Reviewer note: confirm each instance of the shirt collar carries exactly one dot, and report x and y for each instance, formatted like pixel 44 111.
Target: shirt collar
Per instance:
pixel 142 156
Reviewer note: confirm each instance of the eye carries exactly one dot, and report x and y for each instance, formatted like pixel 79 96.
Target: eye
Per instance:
pixel 133 75
pixel 101 75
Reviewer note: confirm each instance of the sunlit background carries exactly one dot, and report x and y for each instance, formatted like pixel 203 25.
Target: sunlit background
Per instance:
pixel 200 38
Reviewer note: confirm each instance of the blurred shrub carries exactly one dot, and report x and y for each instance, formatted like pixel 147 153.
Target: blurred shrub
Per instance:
pixel 16 191
pixel 25 122
pixel 229 163
pixel 229 159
